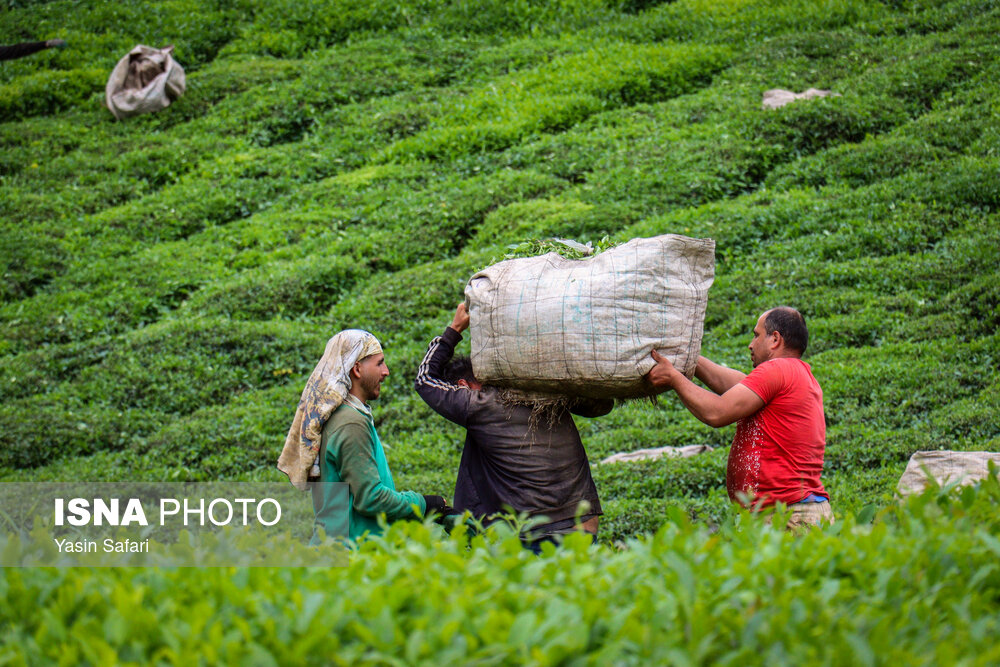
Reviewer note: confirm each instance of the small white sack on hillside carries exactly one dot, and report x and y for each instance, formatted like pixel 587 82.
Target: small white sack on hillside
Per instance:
pixel 658 452
pixel 777 97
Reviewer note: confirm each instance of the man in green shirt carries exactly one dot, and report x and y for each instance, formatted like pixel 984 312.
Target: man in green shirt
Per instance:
pixel 334 437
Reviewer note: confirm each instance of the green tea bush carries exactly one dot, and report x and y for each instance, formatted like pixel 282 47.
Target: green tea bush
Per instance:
pixel 240 427
pixel 438 221
pixel 898 392
pixel 389 303
pixel 224 358
pixel 44 428
pixel 139 377
pixel 973 183
pixel 957 127
pixel 522 16
pixel 560 95
pixel 30 260
pixel 737 22
pixel 805 128
pixel 225 190
pixel 278 43
pixel 663 478
pixel 540 217
pixel 49 92
pixel 69 315
pixel 294 289
pixel 170 280
pixel 970 423
pixel 493 60
pixel 857 165
pixel 979 303
pixel 921 79
pixel 312 24
pixel 158 284
pixel 104 32
pixel 748 593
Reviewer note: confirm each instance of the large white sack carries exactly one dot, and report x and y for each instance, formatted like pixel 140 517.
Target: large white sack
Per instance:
pixel 144 81
pixel 945 467
pixel 586 327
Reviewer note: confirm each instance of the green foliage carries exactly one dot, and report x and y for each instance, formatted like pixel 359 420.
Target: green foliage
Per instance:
pixel 284 186
pixel 49 92
pixel 540 217
pixel 739 22
pixel 745 594
pixel 856 165
pixel 560 95
pixel 117 392
pixel 169 282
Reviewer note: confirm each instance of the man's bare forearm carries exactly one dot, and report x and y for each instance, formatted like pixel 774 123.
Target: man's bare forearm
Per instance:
pixel 702 403
pixel 715 409
pixel 719 379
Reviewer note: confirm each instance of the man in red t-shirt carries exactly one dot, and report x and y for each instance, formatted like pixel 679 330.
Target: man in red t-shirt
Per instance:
pixel 777 453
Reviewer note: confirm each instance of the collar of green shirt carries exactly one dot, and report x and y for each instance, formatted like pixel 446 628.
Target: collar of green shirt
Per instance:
pixel 359 405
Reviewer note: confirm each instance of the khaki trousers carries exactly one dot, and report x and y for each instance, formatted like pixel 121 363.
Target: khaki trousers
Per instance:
pixel 805 515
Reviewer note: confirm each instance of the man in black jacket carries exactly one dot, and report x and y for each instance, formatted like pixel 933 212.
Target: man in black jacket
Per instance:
pixel 535 466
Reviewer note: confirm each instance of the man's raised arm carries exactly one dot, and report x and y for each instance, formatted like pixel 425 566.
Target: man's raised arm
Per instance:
pixel 719 379
pixel 737 402
pixel 448 399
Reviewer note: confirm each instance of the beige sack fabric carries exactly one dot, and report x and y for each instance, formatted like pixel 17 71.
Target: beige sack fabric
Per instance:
pixel 776 97
pixel 945 467
pixel 585 328
pixel 655 453
pixel 144 81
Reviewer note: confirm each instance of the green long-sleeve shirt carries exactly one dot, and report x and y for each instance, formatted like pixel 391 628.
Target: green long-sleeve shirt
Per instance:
pixel 353 453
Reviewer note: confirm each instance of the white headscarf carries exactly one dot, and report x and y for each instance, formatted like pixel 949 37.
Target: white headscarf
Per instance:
pixel 324 392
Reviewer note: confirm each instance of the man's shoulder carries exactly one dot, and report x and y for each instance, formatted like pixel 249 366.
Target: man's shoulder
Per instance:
pixel 781 375
pixel 345 415
pixel 795 366
pixel 783 365
pixel 487 405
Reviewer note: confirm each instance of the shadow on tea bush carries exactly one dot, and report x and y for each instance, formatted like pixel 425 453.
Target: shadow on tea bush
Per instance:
pixel 857 165
pixel 810 125
pixel 42 429
pixel 288 289
pixel 663 478
pixel 29 260
pixel 49 92
pixel 390 303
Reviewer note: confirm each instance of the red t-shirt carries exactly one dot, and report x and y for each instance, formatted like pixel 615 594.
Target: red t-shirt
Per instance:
pixel 777 453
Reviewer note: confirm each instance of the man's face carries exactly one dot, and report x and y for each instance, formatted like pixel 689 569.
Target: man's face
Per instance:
pixel 372 371
pixel 760 343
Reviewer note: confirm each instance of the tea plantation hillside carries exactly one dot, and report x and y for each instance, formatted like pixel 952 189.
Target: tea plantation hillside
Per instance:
pixel 169 281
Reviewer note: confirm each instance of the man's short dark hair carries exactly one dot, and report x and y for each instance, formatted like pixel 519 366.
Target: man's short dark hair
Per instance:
pixel 459 368
pixel 791 325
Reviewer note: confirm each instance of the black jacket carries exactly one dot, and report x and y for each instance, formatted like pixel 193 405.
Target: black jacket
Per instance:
pixel 539 469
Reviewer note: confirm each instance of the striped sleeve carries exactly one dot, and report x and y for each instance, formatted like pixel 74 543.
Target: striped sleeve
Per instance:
pixel 447 399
